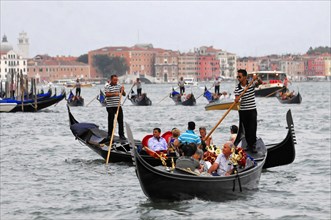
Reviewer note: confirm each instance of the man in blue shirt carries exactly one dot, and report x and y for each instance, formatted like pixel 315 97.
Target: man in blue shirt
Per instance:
pixel 189 136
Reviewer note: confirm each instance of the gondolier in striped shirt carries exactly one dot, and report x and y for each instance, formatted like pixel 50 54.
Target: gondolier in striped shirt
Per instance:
pixel 247 111
pixel 112 92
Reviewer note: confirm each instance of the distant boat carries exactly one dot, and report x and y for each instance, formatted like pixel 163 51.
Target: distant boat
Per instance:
pixel 190 81
pixel 141 100
pixel 187 100
pixel 295 99
pixel 272 81
pixel 75 100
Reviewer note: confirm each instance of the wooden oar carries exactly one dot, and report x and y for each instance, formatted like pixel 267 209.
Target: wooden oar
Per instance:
pixel 273 93
pixel 91 101
pixel 203 92
pixel 167 95
pixel 114 126
pixel 227 112
pixel 128 94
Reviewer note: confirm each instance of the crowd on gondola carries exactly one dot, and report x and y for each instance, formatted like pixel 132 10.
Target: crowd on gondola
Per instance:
pixel 195 153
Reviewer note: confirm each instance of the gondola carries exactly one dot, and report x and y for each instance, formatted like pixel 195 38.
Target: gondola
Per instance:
pixel 168 183
pixel 296 99
pixel 221 105
pixel 187 100
pixel 142 100
pixel 102 98
pixel 75 100
pixel 40 104
pixel 98 140
pixel 211 97
pixel 7 107
pixel 40 97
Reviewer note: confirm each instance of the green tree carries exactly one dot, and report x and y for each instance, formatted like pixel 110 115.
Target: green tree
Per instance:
pixel 83 58
pixel 108 66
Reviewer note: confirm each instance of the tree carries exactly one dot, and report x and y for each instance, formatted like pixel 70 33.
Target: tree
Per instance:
pixel 83 58
pixel 108 66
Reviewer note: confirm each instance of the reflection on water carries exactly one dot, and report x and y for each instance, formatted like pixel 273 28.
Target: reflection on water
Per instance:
pixel 46 173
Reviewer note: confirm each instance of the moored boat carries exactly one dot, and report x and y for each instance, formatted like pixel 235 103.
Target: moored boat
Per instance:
pixel 40 104
pixel 7 107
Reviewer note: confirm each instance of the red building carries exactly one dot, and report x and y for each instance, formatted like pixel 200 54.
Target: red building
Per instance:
pixel 208 67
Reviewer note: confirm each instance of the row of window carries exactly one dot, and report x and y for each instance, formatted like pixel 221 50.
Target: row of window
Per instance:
pixel 10 69
pixel 54 69
pixel 12 63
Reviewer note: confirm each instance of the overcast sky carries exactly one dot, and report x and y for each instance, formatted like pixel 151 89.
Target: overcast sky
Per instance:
pixel 246 28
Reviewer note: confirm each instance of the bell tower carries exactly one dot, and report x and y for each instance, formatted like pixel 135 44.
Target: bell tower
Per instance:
pixel 23 44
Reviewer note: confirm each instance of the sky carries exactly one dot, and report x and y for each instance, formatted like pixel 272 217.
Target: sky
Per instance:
pixel 246 28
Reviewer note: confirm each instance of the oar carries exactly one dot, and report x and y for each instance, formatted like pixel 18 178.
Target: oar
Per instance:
pixel 91 100
pixel 114 126
pixel 128 94
pixel 227 112
pixel 203 92
pixel 273 92
pixel 166 96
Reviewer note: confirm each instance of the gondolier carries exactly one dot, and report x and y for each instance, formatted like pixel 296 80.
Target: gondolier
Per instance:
pixel 181 84
pixel 217 84
pixel 247 111
pixel 113 92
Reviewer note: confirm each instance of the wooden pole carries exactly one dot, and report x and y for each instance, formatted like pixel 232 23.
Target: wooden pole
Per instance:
pixel 91 101
pixel 227 112
pixel 128 93
pixel 273 93
pixel 114 126
pixel 35 94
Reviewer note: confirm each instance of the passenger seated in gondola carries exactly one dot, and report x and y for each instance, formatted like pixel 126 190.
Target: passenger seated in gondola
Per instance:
pixel 222 165
pixel 171 146
pixel 204 166
pixel 205 142
pixel 186 161
pixel 157 143
pixel 234 132
pixel 189 136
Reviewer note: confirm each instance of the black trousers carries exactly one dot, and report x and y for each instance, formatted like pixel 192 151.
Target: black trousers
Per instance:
pixel 248 120
pixel 217 90
pixel 182 90
pixel 111 115
pixel 77 91
pixel 139 92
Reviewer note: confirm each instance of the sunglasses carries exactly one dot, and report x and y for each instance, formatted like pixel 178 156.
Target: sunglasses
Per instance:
pixel 239 77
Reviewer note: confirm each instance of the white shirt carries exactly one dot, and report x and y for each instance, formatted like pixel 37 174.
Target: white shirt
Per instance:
pixel 223 165
pixel 157 145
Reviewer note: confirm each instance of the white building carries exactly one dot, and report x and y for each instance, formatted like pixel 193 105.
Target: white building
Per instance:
pixel 228 64
pixel 11 61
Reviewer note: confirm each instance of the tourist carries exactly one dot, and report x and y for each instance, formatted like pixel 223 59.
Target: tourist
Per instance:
pixel 186 161
pixel 234 132
pixel 222 165
pixel 157 143
pixel 189 136
pixel 113 91
pixel 171 146
pixel 205 142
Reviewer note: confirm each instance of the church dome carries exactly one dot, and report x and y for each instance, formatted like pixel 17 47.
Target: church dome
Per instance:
pixel 5 46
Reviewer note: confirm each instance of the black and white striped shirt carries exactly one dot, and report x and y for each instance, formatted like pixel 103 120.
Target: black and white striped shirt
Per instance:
pixel 248 99
pixel 112 101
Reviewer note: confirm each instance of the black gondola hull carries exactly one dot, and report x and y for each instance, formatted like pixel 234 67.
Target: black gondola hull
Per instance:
pixel 297 99
pixel 44 103
pixel 267 92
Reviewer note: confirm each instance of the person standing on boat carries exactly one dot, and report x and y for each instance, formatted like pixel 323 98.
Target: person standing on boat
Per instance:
pixel 78 86
pixel 181 85
pixel 217 84
pixel 247 111
pixel 113 92
pixel 138 84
